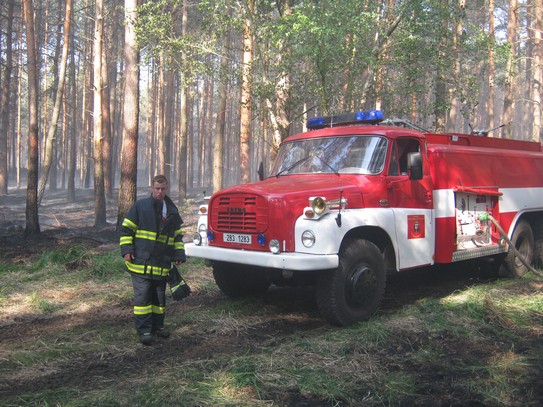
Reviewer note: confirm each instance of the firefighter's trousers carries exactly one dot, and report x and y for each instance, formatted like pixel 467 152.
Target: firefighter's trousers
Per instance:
pixel 149 303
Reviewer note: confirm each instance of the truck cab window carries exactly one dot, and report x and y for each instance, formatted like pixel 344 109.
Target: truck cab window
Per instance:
pixel 398 159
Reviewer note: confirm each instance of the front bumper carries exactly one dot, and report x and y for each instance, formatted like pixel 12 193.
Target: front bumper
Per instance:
pixel 283 261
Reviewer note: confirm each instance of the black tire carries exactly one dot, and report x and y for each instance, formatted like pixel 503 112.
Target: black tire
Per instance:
pixel 523 240
pixel 236 280
pixel 354 290
pixel 537 229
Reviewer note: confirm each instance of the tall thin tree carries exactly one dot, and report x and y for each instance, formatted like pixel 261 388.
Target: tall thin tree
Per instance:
pixel 32 218
pixel 537 76
pixel 246 85
pixel 4 101
pixel 99 189
pixel 491 66
pixel 183 134
pixel 510 83
pixel 221 117
pixel 51 133
pixel 129 149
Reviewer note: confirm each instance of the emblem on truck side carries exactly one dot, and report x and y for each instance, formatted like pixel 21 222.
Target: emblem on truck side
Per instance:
pixel 415 225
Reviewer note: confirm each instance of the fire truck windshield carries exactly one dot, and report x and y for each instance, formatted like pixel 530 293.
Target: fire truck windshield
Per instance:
pixel 361 154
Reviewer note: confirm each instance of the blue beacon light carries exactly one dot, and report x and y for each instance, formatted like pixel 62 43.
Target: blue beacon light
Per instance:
pixel 362 117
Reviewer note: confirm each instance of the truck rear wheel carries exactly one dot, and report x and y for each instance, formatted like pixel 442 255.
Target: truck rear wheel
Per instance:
pixel 354 290
pixel 237 280
pixel 523 239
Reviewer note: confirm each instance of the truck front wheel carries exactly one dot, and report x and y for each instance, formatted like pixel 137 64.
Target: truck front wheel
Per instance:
pixel 354 290
pixel 237 280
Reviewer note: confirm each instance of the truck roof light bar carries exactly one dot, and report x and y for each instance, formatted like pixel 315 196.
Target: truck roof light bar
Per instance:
pixel 363 117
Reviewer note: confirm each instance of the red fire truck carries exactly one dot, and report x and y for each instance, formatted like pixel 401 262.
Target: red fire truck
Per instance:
pixel 351 200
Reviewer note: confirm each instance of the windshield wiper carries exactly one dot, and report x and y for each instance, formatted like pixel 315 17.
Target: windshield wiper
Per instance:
pixel 315 152
pixel 328 165
pixel 300 161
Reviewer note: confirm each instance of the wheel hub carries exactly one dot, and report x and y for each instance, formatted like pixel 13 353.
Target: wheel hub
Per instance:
pixel 360 286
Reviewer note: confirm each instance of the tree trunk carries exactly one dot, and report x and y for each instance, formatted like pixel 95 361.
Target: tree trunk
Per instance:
pixel 183 134
pixel 491 68
pixel 379 46
pixel 202 126
pixel 279 116
pixel 99 189
pixel 510 83
pixel 106 125
pixel 161 158
pixel 4 104
pixel 454 94
pixel 129 149
pixel 19 104
pixel 246 84
pixel 153 134
pixel 32 220
pixel 537 77
pixel 51 133
pixel 168 120
pixel 72 132
pixel 441 104
pixel 218 157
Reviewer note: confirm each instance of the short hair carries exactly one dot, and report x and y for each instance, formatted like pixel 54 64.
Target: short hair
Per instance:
pixel 160 179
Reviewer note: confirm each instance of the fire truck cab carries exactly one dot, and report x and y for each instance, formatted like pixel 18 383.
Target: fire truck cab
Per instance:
pixel 351 200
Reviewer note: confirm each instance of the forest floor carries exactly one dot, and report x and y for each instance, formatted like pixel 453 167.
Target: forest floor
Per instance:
pixel 291 312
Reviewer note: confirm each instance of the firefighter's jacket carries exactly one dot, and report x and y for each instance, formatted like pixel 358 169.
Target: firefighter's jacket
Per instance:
pixel 155 240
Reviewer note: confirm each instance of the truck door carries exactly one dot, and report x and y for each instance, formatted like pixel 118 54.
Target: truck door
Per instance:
pixel 412 204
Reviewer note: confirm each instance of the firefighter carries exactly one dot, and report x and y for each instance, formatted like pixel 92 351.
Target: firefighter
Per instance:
pixel 151 240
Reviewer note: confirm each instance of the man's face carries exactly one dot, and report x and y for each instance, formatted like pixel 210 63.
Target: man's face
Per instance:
pixel 159 190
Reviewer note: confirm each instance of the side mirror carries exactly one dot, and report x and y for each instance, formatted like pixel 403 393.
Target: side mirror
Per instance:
pixel 260 171
pixel 414 165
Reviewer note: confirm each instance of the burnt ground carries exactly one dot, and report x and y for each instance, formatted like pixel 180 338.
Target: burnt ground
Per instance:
pixel 293 310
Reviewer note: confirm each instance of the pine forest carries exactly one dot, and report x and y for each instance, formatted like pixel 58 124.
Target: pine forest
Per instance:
pixel 104 94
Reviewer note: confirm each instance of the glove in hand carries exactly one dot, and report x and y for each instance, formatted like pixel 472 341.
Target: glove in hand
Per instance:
pixel 178 286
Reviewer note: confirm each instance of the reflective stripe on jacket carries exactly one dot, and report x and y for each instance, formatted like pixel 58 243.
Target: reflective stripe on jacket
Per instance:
pixel 155 244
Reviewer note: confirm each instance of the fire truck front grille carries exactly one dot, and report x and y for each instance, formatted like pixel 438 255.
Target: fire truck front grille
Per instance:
pixel 239 214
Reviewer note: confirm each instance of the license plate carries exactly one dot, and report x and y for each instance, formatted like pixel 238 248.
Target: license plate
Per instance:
pixel 236 238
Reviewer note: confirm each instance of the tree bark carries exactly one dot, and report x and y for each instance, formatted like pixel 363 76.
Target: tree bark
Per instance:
pixel 183 134
pixel 491 68
pixel 51 133
pixel 106 125
pixel 72 137
pixel 246 85
pixel 454 97
pixel 4 103
pixel 161 158
pixel 168 121
pixel 218 157
pixel 441 104
pixel 510 83
pixel 32 219
pixel 99 189
pixel 537 77
pixel 129 150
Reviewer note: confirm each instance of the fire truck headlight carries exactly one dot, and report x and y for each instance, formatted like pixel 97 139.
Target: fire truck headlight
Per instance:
pixel 201 235
pixel 275 246
pixel 308 238
pixel 318 205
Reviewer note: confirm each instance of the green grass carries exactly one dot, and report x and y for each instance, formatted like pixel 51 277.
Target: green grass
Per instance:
pixel 480 345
